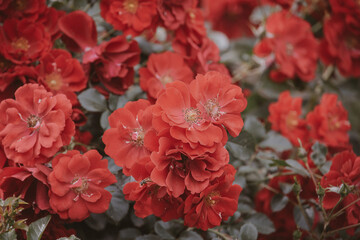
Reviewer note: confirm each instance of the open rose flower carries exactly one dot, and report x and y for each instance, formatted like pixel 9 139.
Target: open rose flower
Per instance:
pixel 130 16
pixel 285 117
pixel 77 184
pixel 23 41
pixel 163 68
pixel 35 125
pixel 216 203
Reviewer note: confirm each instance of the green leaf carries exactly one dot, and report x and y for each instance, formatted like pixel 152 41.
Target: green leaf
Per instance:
pixel 104 122
pixel 148 237
pixel 296 167
pixel 118 207
pixel 92 100
pixel 318 155
pixel 262 223
pixel 96 221
pixel 72 237
pixel 300 218
pixel 168 230
pixel 241 147
pixel 248 232
pixel 286 187
pixel 276 142
pixel 255 128
pixel 128 234
pixel 37 228
pixel 278 202
pixel 10 235
pixel 189 235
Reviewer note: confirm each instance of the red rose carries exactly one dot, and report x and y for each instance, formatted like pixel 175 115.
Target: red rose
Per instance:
pixel 29 9
pixel 163 68
pixel 130 16
pixel 112 64
pixel 285 118
pixel 341 45
pixel 79 31
pixel 230 16
pixel 216 203
pixel 294 46
pixel 24 41
pixel 50 19
pixel 329 122
pixel 35 125
pixel 61 73
pixel 77 184
pixel 153 199
pixel 220 101
pixel 126 138
pixel 29 183
pixel 178 171
pixel 173 12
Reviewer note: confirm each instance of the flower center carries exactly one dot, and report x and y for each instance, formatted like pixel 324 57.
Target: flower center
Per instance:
pixel 137 137
pixel 212 109
pixel 292 119
pixel 33 122
pixel 166 79
pixel 131 6
pixel 289 49
pixel 53 80
pixel 21 44
pixel 20 5
pixel 209 198
pixel 192 116
pixel 79 185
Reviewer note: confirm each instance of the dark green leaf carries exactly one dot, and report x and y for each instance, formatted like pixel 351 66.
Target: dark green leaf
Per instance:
pixel 96 221
pixel 11 235
pixel 253 126
pixel 278 202
pixel 262 223
pixel 241 147
pixel 148 237
pixel 128 234
pixel 286 187
pixel 189 235
pixel 300 218
pixel 37 228
pixel 92 100
pixel 118 207
pixel 276 142
pixel 248 232
pixel 168 230
pixel 296 167
pixel 104 122
pixel 72 237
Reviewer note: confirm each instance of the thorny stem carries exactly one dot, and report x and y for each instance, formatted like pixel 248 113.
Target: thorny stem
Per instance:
pixel 344 208
pixel 107 34
pixel 343 228
pixel 277 192
pixel 307 219
pixel 222 235
pixel 328 219
pixel 327 73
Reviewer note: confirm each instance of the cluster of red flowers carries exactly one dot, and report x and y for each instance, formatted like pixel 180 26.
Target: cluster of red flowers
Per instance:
pixel 175 150
pixel 328 123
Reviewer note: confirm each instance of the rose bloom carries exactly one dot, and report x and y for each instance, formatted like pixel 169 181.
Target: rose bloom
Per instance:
pixel 178 171
pixel 294 47
pixel 50 19
pixel 79 31
pixel 345 168
pixel 29 183
pixel 163 68
pixel 111 64
pixel 61 73
pixel 329 122
pixel 125 140
pixel 130 16
pixel 341 44
pixel 216 203
pixel 230 16
pixel 153 199
pixel 173 12
pixel 35 125
pixel 285 117
pixel 23 42
pixel 77 184
pixel 29 9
